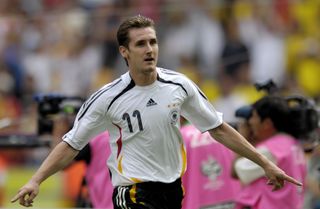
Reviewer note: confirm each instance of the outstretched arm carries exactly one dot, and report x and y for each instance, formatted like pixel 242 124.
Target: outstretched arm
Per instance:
pixel 60 157
pixel 226 135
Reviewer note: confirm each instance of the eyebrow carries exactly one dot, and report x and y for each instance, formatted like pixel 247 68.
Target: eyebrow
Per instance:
pixel 145 40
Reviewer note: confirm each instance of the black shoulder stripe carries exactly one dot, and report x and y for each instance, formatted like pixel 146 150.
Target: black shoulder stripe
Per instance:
pixel 130 86
pixel 202 94
pixel 171 82
pixel 95 97
pixel 92 97
pixel 169 72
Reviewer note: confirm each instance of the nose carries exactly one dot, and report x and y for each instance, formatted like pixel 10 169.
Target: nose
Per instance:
pixel 148 48
pixel 250 121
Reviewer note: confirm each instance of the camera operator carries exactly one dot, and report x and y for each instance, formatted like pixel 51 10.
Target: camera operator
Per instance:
pixel 86 180
pixel 268 121
pixel 56 114
pixel 73 174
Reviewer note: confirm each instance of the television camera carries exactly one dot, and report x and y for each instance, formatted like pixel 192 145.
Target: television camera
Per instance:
pixel 303 119
pixel 303 115
pixel 52 104
pixel 48 105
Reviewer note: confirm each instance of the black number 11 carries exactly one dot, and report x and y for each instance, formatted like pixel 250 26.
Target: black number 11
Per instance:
pixel 136 114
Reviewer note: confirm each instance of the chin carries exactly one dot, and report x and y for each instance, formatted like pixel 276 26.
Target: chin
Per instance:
pixel 150 69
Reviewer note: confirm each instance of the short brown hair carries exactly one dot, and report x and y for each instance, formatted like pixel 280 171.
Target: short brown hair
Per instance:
pixel 138 21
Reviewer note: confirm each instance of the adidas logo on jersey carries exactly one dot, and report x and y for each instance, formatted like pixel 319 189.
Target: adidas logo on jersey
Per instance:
pixel 151 102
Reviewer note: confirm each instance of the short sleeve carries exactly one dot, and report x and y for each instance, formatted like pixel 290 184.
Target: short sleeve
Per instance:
pixel 198 110
pixel 90 121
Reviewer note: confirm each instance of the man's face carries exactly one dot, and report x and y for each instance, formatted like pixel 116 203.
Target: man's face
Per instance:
pixel 245 129
pixel 255 124
pixel 142 51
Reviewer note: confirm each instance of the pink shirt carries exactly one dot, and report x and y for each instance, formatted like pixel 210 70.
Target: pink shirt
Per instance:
pixel 289 157
pixel 207 181
pixel 97 175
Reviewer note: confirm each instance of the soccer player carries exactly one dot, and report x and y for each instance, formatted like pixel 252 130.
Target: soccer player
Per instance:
pixel 141 111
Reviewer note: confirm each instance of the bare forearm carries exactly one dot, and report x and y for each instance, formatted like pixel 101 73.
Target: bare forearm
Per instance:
pixel 229 137
pixel 226 135
pixel 60 157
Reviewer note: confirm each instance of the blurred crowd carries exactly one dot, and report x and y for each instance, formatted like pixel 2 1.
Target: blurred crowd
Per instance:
pixel 70 47
pixel 225 46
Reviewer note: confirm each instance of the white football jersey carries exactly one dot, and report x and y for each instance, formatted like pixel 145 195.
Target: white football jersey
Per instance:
pixel 144 125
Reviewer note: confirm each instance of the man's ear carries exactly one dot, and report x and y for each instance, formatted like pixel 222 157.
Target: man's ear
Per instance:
pixel 123 51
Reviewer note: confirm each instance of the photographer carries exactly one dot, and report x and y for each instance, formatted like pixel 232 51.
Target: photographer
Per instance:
pixel 87 181
pixel 73 174
pixel 268 121
pixel 55 116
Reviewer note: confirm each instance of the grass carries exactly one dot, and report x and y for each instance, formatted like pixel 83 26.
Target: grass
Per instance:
pixel 51 191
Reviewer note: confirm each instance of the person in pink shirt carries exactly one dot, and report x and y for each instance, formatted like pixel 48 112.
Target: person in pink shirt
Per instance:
pixel 267 119
pixel 97 173
pixel 207 181
pixel 97 177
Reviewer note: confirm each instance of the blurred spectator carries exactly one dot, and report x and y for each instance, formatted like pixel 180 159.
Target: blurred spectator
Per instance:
pixel 229 100
pixel 209 37
pixel 105 20
pixel 235 59
pixel 243 115
pixel 267 121
pixel 81 63
pixel 148 8
pixel 234 71
pixel 12 57
pixel 97 178
pixel 306 13
pixel 177 24
pixel 312 194
pixel 3 177
pixel 73 174
pixel 207 181
pixel 302 48
pixel 39 67
pixel 307 68
pixel 31 6
pixel 262 33
pixel 10 108
pixel 86 181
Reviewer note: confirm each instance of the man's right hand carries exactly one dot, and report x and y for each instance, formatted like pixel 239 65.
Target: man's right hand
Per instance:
pixel 26 194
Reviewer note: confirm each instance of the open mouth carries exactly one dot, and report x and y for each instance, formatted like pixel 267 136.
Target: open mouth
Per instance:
pixel 149 59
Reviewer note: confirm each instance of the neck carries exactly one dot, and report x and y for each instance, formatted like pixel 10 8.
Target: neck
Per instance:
pixel 144 78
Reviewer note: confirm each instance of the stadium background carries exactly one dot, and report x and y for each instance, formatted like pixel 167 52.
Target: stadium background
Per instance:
pixel 225 46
